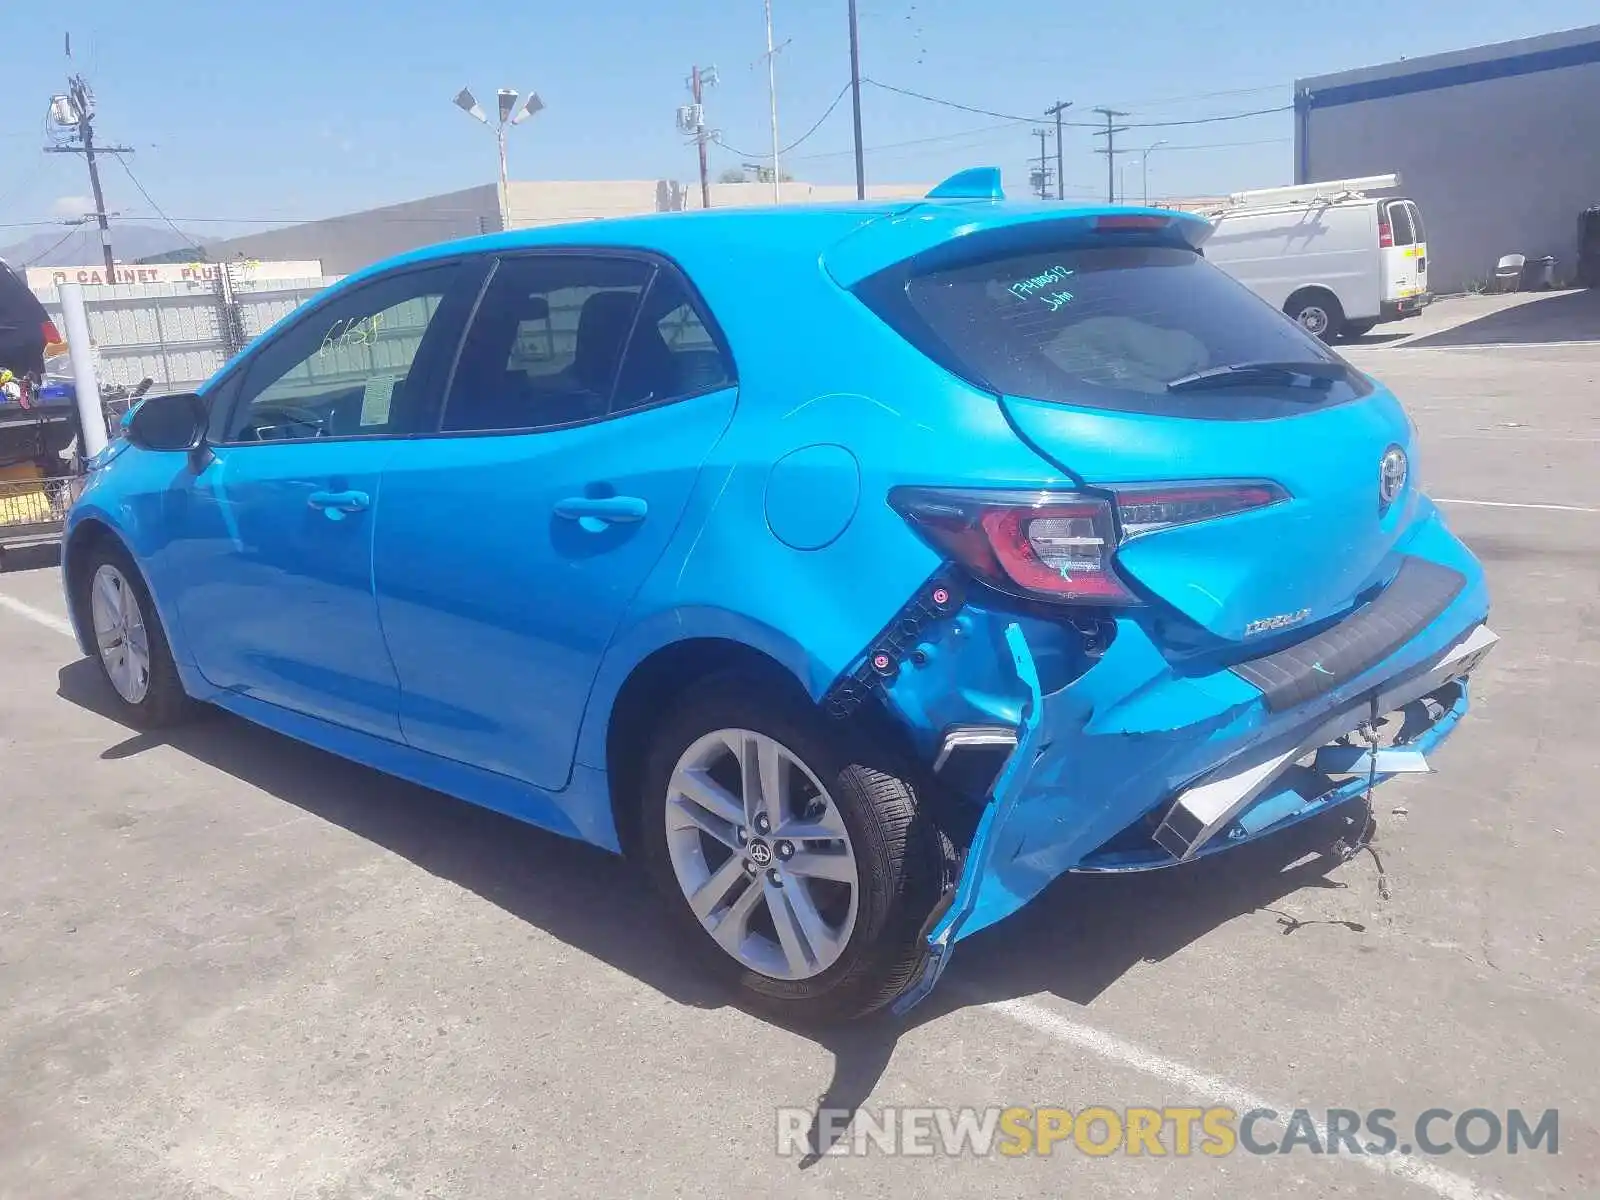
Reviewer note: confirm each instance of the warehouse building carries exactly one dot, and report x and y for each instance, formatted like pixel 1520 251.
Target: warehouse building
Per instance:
pixel 347 243
pixel 1497 145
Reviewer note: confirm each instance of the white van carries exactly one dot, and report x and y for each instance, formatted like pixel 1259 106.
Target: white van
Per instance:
pixel 1330 256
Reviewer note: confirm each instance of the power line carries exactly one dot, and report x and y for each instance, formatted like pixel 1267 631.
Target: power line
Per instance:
pixel 1229 145
pixel 989 112
pixel 1249 91
pixel 799 141
pixel 922 141
pixel 982 112
pixel 1258 112
pixel 135 181
pixel 54 246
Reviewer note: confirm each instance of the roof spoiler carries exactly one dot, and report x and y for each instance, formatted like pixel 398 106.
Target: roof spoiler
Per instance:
pixel 975 183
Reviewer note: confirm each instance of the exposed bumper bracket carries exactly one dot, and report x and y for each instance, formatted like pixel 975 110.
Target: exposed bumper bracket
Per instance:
pixel 1208 807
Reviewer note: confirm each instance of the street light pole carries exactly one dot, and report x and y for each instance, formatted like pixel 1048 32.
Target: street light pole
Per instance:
pixel 510 113
pixel 1144 166
pixel 772 96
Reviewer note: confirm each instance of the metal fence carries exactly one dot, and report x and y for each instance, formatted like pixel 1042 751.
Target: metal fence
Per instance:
pixel 179 334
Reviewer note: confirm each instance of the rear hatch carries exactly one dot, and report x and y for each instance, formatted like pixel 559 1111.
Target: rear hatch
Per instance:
pixel 1129 361
pixel 1404 251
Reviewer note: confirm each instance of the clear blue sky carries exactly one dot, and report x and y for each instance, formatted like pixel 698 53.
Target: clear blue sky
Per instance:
pixel 294 109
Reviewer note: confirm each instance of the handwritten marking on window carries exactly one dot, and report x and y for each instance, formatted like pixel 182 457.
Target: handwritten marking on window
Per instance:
pixel 352 331
pixel 1025 288
pixel 1056 299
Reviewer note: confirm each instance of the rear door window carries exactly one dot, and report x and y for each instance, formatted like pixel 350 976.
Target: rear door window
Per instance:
pixel 1106 327
pixel 1400 223
pixel 1416 221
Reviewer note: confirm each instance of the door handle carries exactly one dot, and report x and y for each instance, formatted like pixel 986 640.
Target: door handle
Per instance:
pixel 335 504
pixel 594 513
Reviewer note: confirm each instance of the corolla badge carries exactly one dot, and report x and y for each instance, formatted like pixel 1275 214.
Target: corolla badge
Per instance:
pixel 1281 621
pixel 1392 471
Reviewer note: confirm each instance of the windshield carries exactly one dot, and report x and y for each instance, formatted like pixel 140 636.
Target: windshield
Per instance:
pixel 1113 326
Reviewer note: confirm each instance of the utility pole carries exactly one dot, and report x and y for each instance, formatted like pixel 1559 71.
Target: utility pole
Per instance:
pixel 75 111
pixel 1041 177
pixel 1110 149
pixel 1144 166
pixel 855 96
pixel 1055 110
pixel 695 90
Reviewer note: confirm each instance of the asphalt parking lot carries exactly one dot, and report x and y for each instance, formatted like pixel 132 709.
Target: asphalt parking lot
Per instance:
pixel 234 966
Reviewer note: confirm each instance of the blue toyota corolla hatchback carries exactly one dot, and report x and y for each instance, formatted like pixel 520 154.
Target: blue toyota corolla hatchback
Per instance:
pixel 857 569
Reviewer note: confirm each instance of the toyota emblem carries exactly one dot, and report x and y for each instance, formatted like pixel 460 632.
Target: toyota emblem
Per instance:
pixel 1392 473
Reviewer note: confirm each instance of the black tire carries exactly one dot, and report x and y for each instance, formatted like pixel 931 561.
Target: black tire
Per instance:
pixel 1317 312
pixel 164 702
pixel 904 863
pixel 1357 329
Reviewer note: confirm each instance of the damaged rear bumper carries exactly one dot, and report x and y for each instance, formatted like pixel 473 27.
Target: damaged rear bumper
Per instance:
pixel 1088 791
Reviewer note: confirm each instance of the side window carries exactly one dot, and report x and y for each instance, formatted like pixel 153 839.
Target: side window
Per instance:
pixel 672 353
pixel 546 343
pixel 346 369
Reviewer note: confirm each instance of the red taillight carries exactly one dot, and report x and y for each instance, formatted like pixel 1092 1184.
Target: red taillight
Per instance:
pixel 1385 234
pixel 52 337
pixel 1062 545
pixel 1114 222
pixel 1053 545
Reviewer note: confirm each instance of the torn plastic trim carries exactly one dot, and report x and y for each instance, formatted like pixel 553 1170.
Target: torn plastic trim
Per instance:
pixel 1205 809
pixel 1275 812
pixel 1002 799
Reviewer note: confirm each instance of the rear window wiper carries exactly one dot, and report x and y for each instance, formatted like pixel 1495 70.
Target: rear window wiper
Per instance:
pixel 1246 373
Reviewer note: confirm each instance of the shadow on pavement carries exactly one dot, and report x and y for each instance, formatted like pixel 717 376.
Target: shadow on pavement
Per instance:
pixel 1074 941
pixel 1558 317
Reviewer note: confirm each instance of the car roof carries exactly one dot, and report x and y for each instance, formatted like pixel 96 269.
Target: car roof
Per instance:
pixel 853 239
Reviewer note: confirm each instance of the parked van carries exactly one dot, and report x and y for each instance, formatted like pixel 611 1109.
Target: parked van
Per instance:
pixel 1332 257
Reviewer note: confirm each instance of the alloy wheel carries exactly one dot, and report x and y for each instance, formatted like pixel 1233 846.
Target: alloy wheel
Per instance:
pixel 761 854
pixel 120 633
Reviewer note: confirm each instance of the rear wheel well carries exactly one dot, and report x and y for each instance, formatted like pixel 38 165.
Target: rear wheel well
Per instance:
pixel 649 691
pixel 671 671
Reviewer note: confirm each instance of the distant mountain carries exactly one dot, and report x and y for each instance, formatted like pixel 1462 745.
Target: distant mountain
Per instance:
pixel 128 242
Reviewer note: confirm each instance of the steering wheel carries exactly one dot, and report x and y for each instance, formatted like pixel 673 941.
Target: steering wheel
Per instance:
pixel 291 414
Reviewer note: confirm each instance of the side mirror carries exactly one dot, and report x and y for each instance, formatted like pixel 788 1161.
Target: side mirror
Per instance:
pixel 167 422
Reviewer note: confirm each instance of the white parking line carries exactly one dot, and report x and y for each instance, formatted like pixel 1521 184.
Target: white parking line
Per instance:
pixel 1198 1085
pixel 36 615
pixel 1561 345
pixel 1513 504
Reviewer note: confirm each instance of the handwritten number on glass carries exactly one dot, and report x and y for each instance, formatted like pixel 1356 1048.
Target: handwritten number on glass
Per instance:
pixel 1039 287
pixel 352 331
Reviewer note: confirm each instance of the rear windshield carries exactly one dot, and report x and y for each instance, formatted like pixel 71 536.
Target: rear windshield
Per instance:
pixel 1111 327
